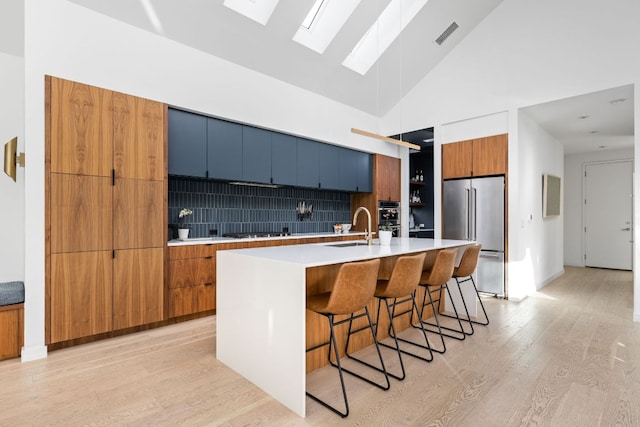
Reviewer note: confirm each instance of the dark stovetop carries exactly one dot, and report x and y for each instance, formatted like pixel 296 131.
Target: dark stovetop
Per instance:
pixel 256 234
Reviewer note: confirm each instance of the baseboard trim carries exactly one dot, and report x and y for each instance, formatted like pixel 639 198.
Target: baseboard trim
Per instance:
pixel 550 279
pixel 636 316
pixel 33 353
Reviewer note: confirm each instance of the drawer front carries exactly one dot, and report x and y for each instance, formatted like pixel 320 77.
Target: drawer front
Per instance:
pixel 192 272
pixel 191 299
pixel 192 251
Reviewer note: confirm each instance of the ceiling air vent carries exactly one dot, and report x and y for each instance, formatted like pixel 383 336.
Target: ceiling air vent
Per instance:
pixel 446 33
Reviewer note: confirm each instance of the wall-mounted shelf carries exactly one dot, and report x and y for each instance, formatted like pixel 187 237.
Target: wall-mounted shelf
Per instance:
pixel 413 182
pixel 415 205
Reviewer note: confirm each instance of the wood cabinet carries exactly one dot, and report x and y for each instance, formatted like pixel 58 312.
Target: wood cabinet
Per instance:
pixel 105 210
pixel 192 271
pixel 386 187
pixel 192 279
pixel 387 181
pixel 11 330
pixel 475 157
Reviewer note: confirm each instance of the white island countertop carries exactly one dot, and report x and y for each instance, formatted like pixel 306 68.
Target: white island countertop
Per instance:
pixel 261 307
pixel 316 254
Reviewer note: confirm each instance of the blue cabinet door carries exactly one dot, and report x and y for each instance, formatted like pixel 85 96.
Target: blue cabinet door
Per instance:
pixel 329 167
pixel 256 154
pixel 308 167
pixel 224 141
pixel 284 154
pixel 187 144
pixel 348 170
pixel 365 172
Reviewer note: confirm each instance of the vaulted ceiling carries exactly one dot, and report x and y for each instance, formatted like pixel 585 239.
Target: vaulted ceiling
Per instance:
pixel 210 26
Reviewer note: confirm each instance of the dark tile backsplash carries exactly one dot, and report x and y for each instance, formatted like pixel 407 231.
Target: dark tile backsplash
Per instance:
pixel 236 209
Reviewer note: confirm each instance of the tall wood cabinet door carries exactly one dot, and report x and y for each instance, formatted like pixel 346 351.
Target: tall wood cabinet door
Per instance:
pixel 387 178
pixel 138 220
pixel 80 294
pixel 138 285
pixel 150 140
pixel 123 116
pixel 81 131
pixel 457 160
pixel 138 138
pixel 80 213
pixel 490 155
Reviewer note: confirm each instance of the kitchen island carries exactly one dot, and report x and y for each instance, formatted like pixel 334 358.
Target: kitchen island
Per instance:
pixel 261 307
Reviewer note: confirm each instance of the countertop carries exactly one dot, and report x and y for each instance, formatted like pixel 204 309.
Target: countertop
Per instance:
pixel 210 240
pixel 315 254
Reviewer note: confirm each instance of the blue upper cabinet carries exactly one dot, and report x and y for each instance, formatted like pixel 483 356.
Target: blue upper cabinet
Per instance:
pixel 207 147
pixel 284 154
pixel 187 144
pixel 355 171
pixel 329 167
pixel 224 157
pixel 256 154
pixel 308 167
pixel 365 172
pixel 348 170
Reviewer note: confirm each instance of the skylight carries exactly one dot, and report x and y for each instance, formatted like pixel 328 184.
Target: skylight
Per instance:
pixel 313 13
pixel 258 10
pixel 395 17
pixel 323 22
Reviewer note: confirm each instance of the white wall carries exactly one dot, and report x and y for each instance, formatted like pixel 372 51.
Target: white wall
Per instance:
pixel 12 193
pixel 69 41
pixel 573 199
pixel 525 53
pixel 536 255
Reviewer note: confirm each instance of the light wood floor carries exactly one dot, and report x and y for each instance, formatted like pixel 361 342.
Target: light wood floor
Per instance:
pixel 569 355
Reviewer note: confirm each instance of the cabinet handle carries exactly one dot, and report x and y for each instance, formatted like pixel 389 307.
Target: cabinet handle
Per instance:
pixel 208 257
pixel 209 284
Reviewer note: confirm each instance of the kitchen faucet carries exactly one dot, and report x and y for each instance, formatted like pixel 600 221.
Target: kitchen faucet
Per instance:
pixel 369 236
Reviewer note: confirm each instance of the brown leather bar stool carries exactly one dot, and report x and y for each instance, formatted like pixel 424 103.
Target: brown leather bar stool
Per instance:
pixel 464 273
pixel 399 288
pixel 352 291
pixel 435 281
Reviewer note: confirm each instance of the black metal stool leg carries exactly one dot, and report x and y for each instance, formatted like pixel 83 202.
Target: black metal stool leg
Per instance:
pixel 332 343
pixel 426 346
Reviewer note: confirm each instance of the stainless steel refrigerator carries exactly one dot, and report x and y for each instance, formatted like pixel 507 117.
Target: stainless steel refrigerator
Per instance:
pixel 473 209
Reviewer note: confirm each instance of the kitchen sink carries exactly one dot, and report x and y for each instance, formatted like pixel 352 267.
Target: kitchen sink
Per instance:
pixel 348 244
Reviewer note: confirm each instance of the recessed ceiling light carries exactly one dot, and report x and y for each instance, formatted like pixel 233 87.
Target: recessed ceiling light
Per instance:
pixel 594 131
pixel 602 146
pixel 617 101
pixel 582 117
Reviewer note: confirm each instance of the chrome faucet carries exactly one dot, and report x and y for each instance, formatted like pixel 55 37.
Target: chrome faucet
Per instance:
pixel 369 236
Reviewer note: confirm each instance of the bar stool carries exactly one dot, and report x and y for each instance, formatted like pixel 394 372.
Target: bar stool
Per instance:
pixel 401 285
pixel 435 281
pixel 464 273
pixel 352 290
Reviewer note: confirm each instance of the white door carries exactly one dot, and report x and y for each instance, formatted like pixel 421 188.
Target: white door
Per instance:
pixel 608 211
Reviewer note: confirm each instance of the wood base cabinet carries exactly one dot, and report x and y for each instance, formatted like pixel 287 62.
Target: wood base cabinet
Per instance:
pixel 11 330
pixel 80 292
pixel 137 297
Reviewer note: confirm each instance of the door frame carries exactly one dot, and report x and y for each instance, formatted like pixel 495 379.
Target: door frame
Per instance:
pixel 584 206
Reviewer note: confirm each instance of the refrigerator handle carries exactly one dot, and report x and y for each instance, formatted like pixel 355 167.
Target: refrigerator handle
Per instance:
pixel 467 225
pixel 475 216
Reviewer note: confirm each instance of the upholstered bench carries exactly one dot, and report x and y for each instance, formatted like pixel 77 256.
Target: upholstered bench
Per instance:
pixel 11 319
